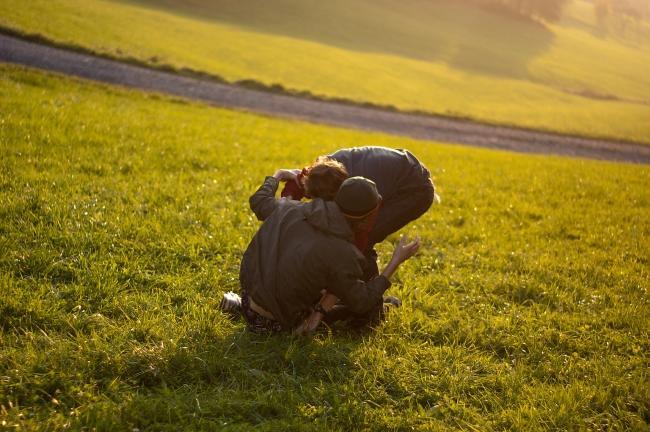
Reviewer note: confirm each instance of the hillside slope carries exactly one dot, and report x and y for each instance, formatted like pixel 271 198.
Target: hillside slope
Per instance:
pixel 429 56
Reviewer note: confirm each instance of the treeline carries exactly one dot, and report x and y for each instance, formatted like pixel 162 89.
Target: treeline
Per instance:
pixel 637 9
pixel 549 10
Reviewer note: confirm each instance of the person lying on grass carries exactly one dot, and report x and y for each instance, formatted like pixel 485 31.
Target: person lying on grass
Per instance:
pixel 304 249
pixel 403 182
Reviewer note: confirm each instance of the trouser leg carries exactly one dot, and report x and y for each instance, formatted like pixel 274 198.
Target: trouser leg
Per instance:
pixel 408 205
pixel 340 312
pixel 395 214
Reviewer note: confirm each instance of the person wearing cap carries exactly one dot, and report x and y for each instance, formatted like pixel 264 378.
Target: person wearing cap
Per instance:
pixel 305 249
pixel 403 182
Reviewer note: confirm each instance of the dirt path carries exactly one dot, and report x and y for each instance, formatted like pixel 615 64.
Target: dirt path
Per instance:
pixel 427 127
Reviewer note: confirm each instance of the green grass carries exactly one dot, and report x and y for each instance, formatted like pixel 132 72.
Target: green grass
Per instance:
pixel 432 56
pixel 123 217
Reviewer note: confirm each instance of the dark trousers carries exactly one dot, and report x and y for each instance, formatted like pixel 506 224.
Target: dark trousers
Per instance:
pixel 341 313
pixel 408 204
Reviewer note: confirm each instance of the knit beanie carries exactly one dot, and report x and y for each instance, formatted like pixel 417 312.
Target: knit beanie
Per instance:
pixel 357 197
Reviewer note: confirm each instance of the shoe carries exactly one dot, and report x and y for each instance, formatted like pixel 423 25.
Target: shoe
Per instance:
pixel 392 301
pixel 231 304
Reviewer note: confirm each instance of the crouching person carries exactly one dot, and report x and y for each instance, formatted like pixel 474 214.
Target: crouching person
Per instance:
pixel 306 249
pixel 402 180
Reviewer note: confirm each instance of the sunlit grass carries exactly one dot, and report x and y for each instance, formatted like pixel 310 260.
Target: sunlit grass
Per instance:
pixel 123 217
pixel 431 56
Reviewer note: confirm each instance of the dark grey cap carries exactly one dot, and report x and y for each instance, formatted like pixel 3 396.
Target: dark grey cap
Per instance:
pixel 357 196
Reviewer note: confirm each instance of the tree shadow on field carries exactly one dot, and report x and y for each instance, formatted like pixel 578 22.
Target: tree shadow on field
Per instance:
pixel 240 380
pixel 465 37
pixel 492 49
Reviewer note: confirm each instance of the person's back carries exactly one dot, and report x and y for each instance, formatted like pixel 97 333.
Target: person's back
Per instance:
pixel 390 169
pixel 289 261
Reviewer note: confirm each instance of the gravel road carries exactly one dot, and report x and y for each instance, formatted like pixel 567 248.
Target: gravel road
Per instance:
pixel 426 127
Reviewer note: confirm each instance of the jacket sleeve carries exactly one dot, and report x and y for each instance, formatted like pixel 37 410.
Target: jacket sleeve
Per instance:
pixel 347 285
pixel 263 201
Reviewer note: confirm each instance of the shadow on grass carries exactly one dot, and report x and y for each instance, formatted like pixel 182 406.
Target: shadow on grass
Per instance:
pixel 465 37
pixel 242 379
pixel 224 378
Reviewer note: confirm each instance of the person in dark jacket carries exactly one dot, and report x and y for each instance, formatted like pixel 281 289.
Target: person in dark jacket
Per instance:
pixel 304 249
pixel 402 180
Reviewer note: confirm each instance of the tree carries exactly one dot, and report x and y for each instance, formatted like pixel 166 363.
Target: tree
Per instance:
pixel 629 8
pixel 602 10
pixel 550 10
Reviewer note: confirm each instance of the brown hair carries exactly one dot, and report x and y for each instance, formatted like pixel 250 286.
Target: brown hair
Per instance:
pixel 324 177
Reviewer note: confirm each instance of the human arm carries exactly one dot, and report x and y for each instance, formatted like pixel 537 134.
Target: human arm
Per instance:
pixel 263 201
pixel 327 302
pixel 360 296
pixel 293 188
pixel 287 174
pixel 403 251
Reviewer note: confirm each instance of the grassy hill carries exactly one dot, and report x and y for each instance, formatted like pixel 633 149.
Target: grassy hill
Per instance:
pixel 433 56
pixel 123 217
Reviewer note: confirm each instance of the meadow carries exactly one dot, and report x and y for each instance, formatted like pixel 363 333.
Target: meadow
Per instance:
pixel 436 56
pixel 123 218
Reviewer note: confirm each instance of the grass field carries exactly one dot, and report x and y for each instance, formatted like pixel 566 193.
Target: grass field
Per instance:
pixel 123 217
pixel 432 56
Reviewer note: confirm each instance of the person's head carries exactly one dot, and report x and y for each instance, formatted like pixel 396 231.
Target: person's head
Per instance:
pixel 358 199
pixel 323 178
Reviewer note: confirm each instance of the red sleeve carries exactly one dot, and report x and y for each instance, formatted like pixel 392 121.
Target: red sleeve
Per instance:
pixel 293 190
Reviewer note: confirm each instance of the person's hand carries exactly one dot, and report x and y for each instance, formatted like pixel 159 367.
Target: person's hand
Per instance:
pixel 310 324
pixel 405 249
pixel 287 174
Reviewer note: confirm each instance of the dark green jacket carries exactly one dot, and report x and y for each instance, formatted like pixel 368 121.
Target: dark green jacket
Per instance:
pixel 300 249
pixel 392 170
